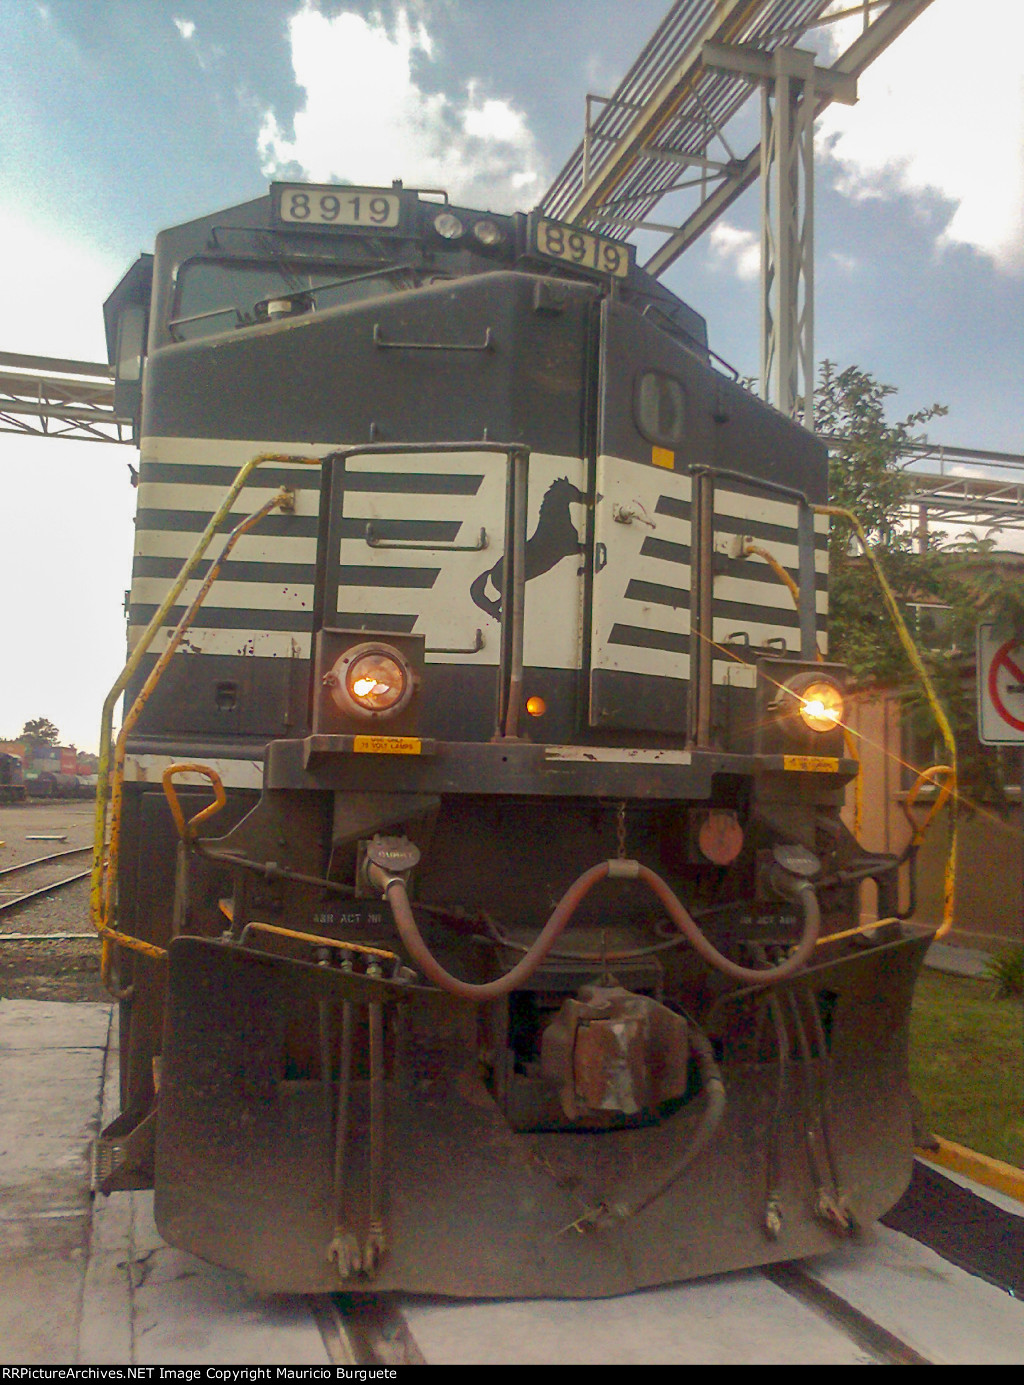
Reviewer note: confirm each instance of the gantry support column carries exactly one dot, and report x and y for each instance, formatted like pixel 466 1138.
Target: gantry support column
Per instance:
pixel 791 87
pixel 787 235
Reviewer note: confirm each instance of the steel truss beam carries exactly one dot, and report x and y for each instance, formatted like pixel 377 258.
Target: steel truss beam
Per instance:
pixel 958 496
pixel 43 396
pixel 670 114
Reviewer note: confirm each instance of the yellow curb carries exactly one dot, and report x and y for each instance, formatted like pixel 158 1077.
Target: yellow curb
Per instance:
pixel 991 1173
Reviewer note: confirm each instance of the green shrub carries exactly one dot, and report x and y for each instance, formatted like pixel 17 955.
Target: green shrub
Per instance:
pixel 1006 969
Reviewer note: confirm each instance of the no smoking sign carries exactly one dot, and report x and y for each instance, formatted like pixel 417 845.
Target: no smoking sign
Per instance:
pixel 1000 689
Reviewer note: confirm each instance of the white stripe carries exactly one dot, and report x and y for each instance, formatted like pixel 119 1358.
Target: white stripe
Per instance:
pixel 252 548
pixel 367 505
pixel 780 512
pixel 199 498
pixel 260 644
pixel 762 594
pixel 439 463
pixel 233 774
pixel 231 596
pixel 232 452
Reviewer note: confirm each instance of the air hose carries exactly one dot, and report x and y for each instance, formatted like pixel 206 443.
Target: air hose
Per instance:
pixel 394 891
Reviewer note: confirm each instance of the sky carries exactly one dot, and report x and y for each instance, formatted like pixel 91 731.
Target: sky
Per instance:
pixel 122 117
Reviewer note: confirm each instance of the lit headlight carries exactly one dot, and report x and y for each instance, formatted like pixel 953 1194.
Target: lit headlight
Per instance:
pixel 488 233
pixel 371 680
pixel 821 706
pixel 449 226
pixel 811 701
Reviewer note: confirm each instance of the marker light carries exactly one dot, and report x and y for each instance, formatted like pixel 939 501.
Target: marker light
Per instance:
pixel 820 705
pixel 536 706
pixel 488 233
pixel 370 680
pixel 449 226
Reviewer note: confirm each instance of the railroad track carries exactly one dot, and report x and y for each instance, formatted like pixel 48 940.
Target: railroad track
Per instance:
pixel 383 1330
pixel 17 898
pixel 881 1298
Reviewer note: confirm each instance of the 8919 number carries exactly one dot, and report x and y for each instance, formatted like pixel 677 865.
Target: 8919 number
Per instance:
pixel 583 248
pixel 307 206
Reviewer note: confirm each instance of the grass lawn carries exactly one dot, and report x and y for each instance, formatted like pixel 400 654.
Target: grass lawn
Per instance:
pixel 967 1064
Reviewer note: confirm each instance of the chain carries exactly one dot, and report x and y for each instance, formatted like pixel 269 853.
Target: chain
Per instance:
pixel 620 831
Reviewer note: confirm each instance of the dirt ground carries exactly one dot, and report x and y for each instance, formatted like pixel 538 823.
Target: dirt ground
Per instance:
pixel 48 970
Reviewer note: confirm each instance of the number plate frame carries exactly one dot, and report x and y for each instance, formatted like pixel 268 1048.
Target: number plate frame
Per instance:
pixel 590 252
pixel 356 208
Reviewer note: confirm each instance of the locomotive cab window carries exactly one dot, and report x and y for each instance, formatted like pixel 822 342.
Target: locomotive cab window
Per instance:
pixel 659 408
pixel 215 296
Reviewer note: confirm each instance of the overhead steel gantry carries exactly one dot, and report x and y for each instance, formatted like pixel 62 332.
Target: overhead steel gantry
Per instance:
pixel 664 132
pixel 43 396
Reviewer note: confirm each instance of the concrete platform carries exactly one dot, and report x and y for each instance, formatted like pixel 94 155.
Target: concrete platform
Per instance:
pixel 90 1282
pixel 51 1074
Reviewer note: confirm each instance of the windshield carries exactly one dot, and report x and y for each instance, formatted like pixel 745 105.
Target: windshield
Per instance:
pixel 219 295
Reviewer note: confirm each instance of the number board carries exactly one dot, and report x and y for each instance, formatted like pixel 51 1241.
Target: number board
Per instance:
pixel 301 204
pixel 554 240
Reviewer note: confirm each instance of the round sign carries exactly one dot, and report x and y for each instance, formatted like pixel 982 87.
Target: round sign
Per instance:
pixel 1005 664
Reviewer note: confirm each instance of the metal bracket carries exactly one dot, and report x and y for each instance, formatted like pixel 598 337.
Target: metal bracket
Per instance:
pixel 374 542
pixel 474 648
pixel 378 340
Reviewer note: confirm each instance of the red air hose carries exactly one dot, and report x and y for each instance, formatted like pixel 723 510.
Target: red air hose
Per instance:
pixel 421 956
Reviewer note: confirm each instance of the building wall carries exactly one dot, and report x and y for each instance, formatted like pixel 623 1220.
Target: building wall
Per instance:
pixel 990 851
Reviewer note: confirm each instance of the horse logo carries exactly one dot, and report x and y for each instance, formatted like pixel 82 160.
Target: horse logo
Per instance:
pixel 555 538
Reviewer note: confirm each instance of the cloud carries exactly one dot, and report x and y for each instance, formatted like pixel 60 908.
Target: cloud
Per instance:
pixel 942 112
pixel 844 262
pixel 185 27
pixel 734 249
pixel 367 118
pixel 52 289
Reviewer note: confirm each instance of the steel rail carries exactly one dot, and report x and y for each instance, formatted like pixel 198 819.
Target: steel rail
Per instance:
pixel 43 890
pixel 44 860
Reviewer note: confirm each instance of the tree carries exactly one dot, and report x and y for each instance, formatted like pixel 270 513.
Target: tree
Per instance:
pixel 40 731
pixel 865 476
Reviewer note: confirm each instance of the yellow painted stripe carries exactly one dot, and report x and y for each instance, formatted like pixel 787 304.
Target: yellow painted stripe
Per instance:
pixel 991 1173
pixel 663 456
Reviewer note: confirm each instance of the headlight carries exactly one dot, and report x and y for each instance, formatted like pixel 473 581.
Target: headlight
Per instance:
pixel 449 226
pixel 821 706
pixel 816 700
pixel 370 680
pixel 488 233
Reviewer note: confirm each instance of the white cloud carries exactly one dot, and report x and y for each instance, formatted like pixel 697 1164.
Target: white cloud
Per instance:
pixel 66 551
pixel 367 119
pixel 185 27
pixel 52 290
pixel 732 248
pixel 847 263
pixel 942 112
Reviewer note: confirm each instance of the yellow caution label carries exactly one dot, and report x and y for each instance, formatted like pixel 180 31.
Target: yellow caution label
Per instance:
pixel 816 764
pixel 387 745
pixel 663 456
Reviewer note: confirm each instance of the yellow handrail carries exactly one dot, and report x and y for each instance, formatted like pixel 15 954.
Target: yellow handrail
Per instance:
pixel 104 863
pixel 942 721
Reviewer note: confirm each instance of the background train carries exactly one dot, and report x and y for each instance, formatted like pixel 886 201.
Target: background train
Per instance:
pixel 524 955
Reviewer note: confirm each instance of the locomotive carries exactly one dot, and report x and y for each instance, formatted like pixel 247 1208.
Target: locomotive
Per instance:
pixel 519 952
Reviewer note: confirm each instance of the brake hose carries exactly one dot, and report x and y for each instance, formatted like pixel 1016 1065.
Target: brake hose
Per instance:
pixel 394 891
